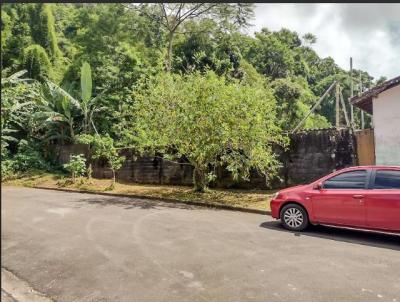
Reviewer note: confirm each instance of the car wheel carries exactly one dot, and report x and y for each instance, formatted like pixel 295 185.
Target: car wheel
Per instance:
pixel 294 217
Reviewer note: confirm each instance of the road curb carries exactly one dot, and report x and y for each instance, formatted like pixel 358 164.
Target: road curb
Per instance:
pixel 170 200
pixel 19 290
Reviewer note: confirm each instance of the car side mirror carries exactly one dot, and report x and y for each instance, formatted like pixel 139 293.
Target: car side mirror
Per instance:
pixel 318 186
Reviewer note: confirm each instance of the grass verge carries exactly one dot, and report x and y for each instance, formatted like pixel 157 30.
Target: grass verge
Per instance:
pixel 249 199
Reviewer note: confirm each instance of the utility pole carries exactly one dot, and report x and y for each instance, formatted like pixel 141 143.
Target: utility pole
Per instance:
pixel 351 93
pixel 344 109
pixel 314 107
pixel 337 108
pixel 362 111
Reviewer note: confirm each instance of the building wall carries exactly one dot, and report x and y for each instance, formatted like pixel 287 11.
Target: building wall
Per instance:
pixel 386 118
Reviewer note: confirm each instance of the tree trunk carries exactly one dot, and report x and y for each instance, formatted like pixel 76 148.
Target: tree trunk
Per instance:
pixel 85 122
pixel 113 172
pixel 199 180
pixel 89 172
pixel 62 135
pixel 73 177
pixel 168 64
pixel 71 130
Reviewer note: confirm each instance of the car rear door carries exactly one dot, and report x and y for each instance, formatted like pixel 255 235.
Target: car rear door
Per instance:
pixel 341 199
pixel 383 200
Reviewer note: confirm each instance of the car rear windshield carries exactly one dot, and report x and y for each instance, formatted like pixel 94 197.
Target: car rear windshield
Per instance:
pixel 387 179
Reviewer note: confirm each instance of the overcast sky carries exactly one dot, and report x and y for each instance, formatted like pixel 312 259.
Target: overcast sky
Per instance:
pixel 370 33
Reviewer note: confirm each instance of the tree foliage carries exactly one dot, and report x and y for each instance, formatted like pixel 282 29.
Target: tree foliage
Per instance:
pixel 103 147
pixel 36 61
pixel 210 122
pixel 76 166
pixel 43 29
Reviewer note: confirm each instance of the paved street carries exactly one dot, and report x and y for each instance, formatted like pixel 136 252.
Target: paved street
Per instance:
pixel 81 247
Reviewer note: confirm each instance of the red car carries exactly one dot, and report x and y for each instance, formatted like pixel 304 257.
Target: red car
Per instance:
pixel 366 197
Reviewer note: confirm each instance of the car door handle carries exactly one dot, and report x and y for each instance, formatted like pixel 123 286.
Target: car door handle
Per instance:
pixel 358 196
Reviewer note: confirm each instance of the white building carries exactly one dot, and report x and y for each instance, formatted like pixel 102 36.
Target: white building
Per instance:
pixel 383 102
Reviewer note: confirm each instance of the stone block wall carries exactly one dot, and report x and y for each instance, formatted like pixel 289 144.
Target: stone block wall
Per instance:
pixel 310 155
pixel 315 153
pixel 63 152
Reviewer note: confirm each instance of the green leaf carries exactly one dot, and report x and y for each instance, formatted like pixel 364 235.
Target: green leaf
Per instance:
pixel 14 77
pixel 58 89
pixel 86 82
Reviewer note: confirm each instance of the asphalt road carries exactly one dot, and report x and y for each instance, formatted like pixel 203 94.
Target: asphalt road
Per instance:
pixel 81 247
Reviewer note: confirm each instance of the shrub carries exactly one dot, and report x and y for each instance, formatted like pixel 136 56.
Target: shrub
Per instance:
pixel 76 166
pixel 7 170
pixel 28 158
pixel 103 147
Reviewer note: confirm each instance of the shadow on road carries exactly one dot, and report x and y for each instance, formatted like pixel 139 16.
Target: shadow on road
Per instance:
pixel 345 235
pixel 134 203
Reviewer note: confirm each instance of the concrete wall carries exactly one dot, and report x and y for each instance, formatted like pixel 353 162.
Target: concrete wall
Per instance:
pixel 386 119
pixel 311 155
pixel 63 152
pixel 315 153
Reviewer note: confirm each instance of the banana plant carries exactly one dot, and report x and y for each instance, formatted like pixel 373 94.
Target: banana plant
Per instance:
pixel 17 105
pixel 6 136
pixel 86 104
pixel 55 114
pixel 14 78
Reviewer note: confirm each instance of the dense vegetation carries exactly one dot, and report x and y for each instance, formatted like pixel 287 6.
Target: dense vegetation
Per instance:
pixel 177 80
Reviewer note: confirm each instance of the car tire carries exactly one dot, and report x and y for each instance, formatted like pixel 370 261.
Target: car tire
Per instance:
pixel 294 217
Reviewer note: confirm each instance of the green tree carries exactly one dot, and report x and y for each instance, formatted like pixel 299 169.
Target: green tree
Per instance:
pixel 210 122
pixel 208 47
pixel 294 100
pixel 43 29
pixel 381 80
pixel 270 56
pixel 309 39
pixel 287 37
pixel 174 16
pixel 6 25
pixel 37 62
pixel 15 35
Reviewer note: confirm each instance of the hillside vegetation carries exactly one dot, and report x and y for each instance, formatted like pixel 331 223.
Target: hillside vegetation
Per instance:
pixel 177 80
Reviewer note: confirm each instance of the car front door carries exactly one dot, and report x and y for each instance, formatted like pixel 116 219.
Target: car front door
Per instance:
pixel 341 200
pixel 383 200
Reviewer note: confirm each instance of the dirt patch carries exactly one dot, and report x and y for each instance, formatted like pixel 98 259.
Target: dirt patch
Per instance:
pixel 252 199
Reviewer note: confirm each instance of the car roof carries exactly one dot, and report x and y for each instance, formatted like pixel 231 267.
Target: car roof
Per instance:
pixel 372 167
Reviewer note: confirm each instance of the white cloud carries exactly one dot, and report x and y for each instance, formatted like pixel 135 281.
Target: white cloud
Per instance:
pixel 370 33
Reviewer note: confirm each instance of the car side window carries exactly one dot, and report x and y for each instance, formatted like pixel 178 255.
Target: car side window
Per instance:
pixel 387 179
pixel 347 180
